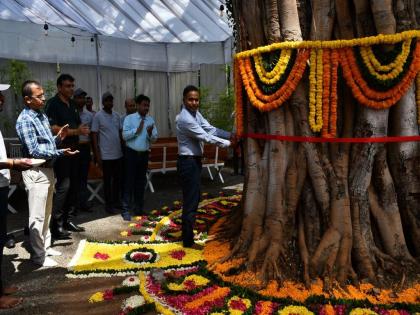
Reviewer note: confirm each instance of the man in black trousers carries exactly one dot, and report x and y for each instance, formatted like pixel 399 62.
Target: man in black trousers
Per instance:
pixel 61 111
pixel 192 129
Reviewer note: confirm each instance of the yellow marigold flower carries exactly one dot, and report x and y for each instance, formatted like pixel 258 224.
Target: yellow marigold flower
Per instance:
pixel 293 309
pixel 362 311
pixel 96 297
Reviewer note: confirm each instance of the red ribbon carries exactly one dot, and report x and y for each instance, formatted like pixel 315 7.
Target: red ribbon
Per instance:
pixel 331 140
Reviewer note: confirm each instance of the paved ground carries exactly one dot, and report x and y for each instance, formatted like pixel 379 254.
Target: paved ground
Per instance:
pixel 48 291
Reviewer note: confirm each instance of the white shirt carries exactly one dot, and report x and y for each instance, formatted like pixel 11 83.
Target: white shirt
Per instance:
pixel 4 173
pixel 108 127
pixel 86 118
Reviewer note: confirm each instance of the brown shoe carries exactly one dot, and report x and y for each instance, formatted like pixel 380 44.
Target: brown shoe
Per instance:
pixel 9 302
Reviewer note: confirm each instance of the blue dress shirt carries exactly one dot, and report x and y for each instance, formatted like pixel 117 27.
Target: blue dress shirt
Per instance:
pixel 192 129
pixel 138 142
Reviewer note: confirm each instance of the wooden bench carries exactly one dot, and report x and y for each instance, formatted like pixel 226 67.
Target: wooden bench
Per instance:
pixel 164 153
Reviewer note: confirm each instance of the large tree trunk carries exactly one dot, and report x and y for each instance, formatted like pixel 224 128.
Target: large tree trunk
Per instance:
pixel 339 211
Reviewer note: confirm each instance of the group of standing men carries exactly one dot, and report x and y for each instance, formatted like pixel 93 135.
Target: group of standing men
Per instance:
pixel 66 134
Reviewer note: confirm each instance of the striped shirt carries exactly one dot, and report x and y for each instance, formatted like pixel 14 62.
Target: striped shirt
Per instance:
pixel 34 132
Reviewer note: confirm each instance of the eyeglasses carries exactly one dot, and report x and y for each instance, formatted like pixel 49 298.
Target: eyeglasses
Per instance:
pixel 40 97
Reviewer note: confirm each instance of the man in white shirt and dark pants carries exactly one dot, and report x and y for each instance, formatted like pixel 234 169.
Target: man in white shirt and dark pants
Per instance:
pixel 6 301
pixel 192 129
pixel 107 141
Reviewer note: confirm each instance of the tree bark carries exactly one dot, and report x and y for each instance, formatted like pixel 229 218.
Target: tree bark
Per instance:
pixel 339 212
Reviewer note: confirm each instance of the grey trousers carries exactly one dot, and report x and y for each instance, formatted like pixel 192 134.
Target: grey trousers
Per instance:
pixel 39 183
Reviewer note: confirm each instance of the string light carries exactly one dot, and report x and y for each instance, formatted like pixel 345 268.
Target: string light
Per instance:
pixel 46 29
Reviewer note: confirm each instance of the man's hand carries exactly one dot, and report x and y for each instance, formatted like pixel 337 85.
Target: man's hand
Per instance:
pixel 63 132
pixel 226 143
pixel 69 152
pixel 21 164
pixel 84 130
pixel 140 128
pixel 150 129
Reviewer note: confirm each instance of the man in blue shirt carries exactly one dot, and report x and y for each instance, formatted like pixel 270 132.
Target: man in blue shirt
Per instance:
pixel 192 129
pixel 34 132
pixel 139 131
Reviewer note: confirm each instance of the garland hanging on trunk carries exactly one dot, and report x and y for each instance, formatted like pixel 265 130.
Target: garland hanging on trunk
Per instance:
pixel 270 75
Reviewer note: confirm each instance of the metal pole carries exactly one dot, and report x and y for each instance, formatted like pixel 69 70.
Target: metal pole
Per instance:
pixel 98 72
pixel 168 92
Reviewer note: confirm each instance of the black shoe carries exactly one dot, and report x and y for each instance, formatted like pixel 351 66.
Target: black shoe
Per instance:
pixel 62 234
pixel 10 242
pixel 74 227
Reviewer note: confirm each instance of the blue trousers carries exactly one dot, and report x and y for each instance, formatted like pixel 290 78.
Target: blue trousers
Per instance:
pixel 136 164
pixel 4 192
pixel 189 170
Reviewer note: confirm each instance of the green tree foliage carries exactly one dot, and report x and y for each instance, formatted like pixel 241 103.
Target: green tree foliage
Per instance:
pixel 15 73
pixel 219 112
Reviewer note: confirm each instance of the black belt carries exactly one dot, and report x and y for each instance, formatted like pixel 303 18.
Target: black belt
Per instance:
pixel 190 157
pixel 137 152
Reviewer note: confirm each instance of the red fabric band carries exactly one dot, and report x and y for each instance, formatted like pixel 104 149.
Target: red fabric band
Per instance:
pixel 331 140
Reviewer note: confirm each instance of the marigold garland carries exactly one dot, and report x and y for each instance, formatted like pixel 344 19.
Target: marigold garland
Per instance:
pixel 326 90
pixel 269 102
pixel 238 100
pixel 333 95
pixel 395 68
pixel 274 75
pixel 315 90
pixel 370 58
pixel 418 97
pixel 379 86
pixel 333 44
pixel 367 96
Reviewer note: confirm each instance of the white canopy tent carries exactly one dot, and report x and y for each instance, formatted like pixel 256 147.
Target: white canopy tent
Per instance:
pixel 159 44
pixel 152 35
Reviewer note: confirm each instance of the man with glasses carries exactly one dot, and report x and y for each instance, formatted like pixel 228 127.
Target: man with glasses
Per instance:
pixel 34 132
pixel 61 111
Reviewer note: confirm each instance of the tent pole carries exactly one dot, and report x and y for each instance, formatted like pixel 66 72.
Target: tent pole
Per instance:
pixel 98 72
pixel 168 92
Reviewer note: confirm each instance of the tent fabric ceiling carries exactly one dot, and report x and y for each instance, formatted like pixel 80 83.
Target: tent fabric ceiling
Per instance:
pixel 145 21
